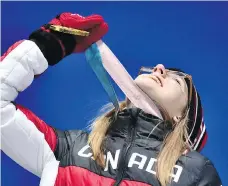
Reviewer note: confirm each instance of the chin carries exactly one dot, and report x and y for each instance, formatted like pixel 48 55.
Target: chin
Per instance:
pixel 150 87
pixel 152 90
pixel 147 84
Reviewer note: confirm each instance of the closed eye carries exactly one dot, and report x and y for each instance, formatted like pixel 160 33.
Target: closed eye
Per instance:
pixel 181 83
pixel 176 78
pixel 178 81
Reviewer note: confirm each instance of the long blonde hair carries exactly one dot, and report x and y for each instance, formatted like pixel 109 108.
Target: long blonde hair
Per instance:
pixel 173 147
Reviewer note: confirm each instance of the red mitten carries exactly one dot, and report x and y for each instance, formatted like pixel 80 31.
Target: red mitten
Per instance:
pixel 94 24
pixel 56 45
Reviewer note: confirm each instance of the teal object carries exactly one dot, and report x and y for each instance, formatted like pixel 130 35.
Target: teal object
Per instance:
pixel 94 59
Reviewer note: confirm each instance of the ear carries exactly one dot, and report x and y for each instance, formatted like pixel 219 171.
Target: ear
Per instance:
pixel 176 119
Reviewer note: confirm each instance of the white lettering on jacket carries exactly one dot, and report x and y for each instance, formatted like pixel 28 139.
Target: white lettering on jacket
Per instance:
pixel 137 160
pixel 133 161
pixel 82 152
pixel 113 161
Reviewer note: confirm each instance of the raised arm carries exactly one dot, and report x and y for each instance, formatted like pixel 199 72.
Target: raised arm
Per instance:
pixel 24 137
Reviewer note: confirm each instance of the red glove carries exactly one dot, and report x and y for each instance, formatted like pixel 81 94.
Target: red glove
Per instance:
pixel 56 45
pixel 95 24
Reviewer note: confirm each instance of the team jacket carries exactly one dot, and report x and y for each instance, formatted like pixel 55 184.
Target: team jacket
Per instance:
pixel 63 158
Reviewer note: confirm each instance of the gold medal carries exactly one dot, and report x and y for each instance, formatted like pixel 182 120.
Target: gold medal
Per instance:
pixel 67 30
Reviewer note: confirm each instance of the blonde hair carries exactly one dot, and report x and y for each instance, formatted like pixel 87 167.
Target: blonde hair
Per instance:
pixel 173 146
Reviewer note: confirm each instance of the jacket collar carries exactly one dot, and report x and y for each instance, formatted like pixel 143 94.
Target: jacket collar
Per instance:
pixel 146 126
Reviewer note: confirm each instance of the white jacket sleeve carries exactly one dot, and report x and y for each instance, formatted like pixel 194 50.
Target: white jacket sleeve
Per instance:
pixel 20 139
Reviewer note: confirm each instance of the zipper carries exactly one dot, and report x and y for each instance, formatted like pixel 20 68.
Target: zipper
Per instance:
pixel 122 163
pixel 122 167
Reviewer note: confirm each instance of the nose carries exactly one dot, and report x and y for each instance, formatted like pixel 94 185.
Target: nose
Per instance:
pixel 160 69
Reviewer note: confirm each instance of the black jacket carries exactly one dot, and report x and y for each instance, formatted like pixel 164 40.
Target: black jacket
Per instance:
pixel 131 153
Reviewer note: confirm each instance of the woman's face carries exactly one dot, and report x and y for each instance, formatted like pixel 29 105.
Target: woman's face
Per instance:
pixel 167 89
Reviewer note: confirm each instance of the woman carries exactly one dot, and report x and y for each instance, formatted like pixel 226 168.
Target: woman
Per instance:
pixel 136 148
